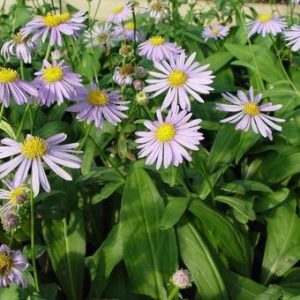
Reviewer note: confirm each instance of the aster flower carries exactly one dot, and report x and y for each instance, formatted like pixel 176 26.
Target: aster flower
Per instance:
pixel 295 1
pixel 158 11
pixel 100 36
pixel 157 48
pixel 123 75
pixel 127 32
pixel 32 153
pixel 14 197
pixel 55 82
pixel 97 105
pixel 18 46
pixel 120 13
pixel 266 24
pixel 55 25
pixel 292 36
pixel 250 113
pixel 182 279
pixel 180 77
pixel 167 140
pixel 12 86
pixel 215 31
pixel 12 266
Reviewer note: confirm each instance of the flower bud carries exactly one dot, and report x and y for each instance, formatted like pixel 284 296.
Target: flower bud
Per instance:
pixel 142 98
pixel 138 84
pixel 126 51
pixel 10 221
pixel 140 72
pixel 182 279
pixel 56 55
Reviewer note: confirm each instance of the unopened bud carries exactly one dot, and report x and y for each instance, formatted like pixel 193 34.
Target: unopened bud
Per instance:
pixel 10 221
pixel 126 51
pixel 56 55
pixel 182 279
pixel 142 98
pixel 138 84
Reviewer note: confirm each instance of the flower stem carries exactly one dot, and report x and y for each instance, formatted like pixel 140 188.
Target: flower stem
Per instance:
pixel 22 120
pixel 35 276
pixel 134 27
pixel 87 133
pixel 173 293
pixel 1 111
pixel 48 52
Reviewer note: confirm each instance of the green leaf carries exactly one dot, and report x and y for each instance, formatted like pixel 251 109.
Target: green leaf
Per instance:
pixel 202 263
pixel 65 241
pixel 106 191
pixel 104 260
pixel 224 147
pixel 282 248
pixel 150 254
pixel 244 186
pixel 88 157
pixel 7 128
pixel 217 60
pixel 10 293
pixel 242 206
pixel 174 211
pixel 229 239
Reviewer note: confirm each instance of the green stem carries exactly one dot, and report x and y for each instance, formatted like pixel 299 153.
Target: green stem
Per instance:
pixel 173 293
pixel 53 6
pixel 283 68
pixel 1 111
pixel 33 256
pixel 206 176
pixel 76 51
pixel 48 52
pixel 134 27
pixel 23 120
pixel 87 133
pixel 97 8
pixel 22 69
pixel 11 239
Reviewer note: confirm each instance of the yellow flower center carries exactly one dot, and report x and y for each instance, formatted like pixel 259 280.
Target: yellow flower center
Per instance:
pixel 6 263
pixel 34 147
pixel 251 109
pixel 52 20
pixel 177 78
pixel 8 75
pixel 165 132
pixel 97 98
pixel 157 6
pixel 129 26
pixel 126 70
pixel 215 31
pixel 53 74
pixel 264 18
pixel 18 195
pixel 118 9
pixel 157 40
pixel 102 38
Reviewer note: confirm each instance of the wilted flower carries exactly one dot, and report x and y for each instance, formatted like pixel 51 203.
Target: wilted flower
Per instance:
pixel 55 82
pixel 250 114
pixel 10 221
pixel 120 13
pixel 167 140
pixel 30 155
pixel 266 24
pixel 127 32
pixel 97 105
pixel 182 279
pixel 157 48
pixel 126 51
pixel 140 72
pixel 180 77
pixel 158 11
pixel 14 197
pixel 216 32
pixel 142 98
pixel 12 266
pixel 55 25
pixel 12 86
pixel 100 36
pixel 18 46
pixel 292 36
pixel 123 75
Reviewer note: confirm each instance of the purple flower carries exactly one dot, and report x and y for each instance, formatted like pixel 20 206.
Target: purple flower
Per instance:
pixel 216 32
pixel 12 85
pixel 30 155
pixel 18 46
pixel 292 36
pixel 55 26
pixel 167 140
pixel 14 197
pixel 12 266
pixel 295 1
pixel 127 32
pixel 157 48
pixel 56 82
pixel 182 279
pixel 180 77
pixel 120 13
pixel 266 24
pixel 123 75
pixel 97 105
pixel 250 113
